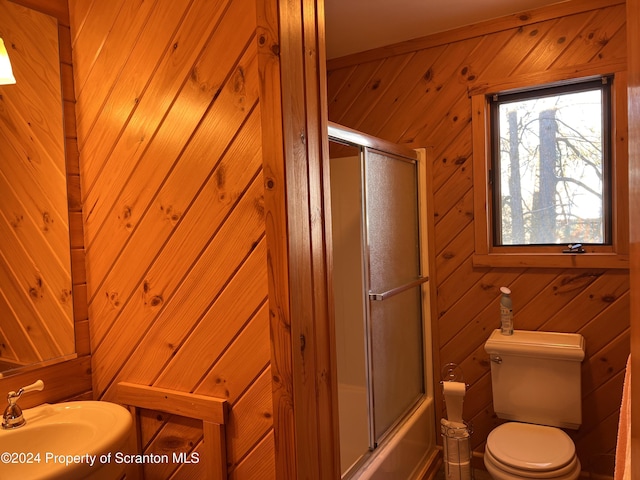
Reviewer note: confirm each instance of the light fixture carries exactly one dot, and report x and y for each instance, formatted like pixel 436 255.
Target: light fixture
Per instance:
pixel 6 74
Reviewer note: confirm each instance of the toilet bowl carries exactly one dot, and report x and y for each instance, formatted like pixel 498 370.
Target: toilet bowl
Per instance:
pixel 527 451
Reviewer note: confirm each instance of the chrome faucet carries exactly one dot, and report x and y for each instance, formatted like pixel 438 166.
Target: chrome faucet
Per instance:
pixel 13 417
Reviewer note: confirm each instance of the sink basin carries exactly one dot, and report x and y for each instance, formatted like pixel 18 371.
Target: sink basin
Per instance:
pixel 67 441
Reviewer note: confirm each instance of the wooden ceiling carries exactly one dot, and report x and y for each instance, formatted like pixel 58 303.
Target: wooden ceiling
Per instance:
pixel 358 25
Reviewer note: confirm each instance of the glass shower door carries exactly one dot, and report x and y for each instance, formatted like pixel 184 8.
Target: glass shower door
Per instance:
pixel 394 277
pixel 377 286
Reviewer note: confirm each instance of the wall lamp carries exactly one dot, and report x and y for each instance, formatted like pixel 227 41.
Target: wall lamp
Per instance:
pixel 6 73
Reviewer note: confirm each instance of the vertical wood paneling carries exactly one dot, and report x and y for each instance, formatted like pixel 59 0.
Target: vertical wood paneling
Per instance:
pixel 293 98
pixel 171 164
pixel 633 45
pixel 428 104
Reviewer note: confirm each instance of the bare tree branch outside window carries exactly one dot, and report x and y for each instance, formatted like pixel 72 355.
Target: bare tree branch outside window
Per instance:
pixel 552 169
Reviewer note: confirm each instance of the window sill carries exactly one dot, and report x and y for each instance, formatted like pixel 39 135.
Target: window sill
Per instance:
pixel 552 260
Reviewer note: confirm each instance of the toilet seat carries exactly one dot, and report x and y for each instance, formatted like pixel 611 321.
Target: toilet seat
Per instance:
pixel 521 450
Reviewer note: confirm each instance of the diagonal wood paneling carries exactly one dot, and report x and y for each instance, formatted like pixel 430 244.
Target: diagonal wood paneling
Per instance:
pixel 419 96
pixel 171 168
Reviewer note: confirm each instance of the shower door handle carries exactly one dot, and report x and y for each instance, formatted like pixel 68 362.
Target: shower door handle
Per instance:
pixel 394 291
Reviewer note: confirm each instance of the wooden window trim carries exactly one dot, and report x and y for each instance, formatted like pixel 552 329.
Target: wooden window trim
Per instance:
pixel 615 255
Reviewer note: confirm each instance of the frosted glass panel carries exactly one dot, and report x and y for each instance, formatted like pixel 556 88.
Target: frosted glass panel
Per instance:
pixel 394 261
pixel 379 338
pixel 392 218
pixel 397 357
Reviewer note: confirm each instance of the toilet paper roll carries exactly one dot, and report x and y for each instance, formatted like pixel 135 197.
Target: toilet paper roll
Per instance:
pixel 455 389
pixel 454 429
pixel 453 399
pixel 457 450
pixel 460 471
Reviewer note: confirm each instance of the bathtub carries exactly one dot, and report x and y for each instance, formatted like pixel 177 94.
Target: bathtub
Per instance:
pixel 405 452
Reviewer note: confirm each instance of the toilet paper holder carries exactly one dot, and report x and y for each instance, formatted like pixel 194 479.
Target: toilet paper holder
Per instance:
pixel 454 390
pixel 452 372
pixel 457 452
pixel 456 433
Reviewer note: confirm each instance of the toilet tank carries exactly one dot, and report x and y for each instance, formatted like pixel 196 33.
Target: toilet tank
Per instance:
pixel 535 377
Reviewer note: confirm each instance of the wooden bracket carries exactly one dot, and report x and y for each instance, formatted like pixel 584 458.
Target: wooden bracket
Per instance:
pixel 211 410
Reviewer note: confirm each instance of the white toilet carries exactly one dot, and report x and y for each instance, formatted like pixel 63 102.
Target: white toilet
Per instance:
pixel 535 378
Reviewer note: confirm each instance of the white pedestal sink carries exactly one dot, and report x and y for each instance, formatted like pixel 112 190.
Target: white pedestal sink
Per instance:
pixel 67 441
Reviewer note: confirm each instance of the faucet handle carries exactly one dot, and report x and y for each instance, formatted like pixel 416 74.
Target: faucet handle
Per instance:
pixel 13 417
pixel 36 386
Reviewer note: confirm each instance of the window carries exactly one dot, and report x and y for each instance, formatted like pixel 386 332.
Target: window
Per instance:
pixel 551 170
pixel 550 165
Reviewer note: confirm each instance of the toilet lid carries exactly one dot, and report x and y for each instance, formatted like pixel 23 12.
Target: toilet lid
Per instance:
pixel 531 447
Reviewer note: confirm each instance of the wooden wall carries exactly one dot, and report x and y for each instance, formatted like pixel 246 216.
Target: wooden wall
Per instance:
pixel 171 170
pixel 70 379
pixel 633 52
pixel 416 93
pixel 295 149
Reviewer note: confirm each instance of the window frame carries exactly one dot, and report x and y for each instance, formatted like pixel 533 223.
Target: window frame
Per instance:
pixel 602 84
pixel 612 255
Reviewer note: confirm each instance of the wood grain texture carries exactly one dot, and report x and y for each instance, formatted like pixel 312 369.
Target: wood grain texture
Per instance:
pixel 169 142
pixel 425 101
pixel 281 352
pixel 633 45
pixel 291 59
pixel 211 410
pixel 206 408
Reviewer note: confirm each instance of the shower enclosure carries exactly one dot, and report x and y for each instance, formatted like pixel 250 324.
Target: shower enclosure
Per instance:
pixel 381 307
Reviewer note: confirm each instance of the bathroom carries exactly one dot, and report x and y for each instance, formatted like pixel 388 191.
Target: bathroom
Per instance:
pixel 154 263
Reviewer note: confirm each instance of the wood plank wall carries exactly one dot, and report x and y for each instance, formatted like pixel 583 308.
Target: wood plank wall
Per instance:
pixel 171 170
pixel 295 147
pixel 633 46
pixel 70 379
pixel 416 93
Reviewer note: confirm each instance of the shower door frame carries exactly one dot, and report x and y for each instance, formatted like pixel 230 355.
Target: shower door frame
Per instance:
pixel 377 433
pixel 347 136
